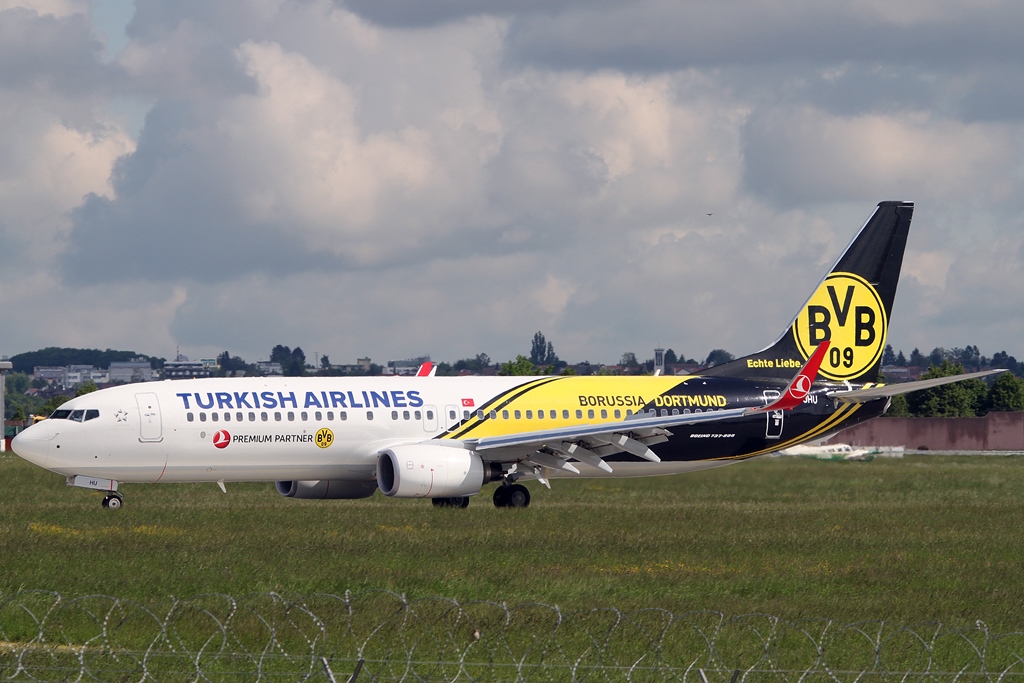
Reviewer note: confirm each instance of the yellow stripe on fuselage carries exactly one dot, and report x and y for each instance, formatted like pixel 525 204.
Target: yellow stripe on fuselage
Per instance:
pixel 560 394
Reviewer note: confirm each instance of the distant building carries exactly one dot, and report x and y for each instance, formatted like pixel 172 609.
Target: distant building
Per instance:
pixel 125 372
pixel 57 375
pixel 364 363
pixel 267 368
pixel 185 369
pixel 81 374
pixel 409 366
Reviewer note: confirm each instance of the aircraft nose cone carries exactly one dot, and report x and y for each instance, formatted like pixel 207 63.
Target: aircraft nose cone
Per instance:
pixel 33 444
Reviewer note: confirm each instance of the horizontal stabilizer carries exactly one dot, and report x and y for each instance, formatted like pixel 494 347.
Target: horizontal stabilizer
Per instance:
pixel 864 395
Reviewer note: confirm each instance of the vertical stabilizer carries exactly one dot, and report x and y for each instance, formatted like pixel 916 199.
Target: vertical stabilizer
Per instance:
pixel 850 308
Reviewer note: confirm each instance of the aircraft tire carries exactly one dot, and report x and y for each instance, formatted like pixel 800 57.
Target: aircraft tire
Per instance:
pixel 112 502
pixel 454 502
pixel 501 497
pixel 518 496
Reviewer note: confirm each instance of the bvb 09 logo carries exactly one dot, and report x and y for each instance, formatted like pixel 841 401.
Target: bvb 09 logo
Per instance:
pixel 847 311
pixel 324 438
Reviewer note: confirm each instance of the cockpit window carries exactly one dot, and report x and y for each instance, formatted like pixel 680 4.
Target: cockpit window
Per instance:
pixel 91 415
pixel 77 415
pixel 60 414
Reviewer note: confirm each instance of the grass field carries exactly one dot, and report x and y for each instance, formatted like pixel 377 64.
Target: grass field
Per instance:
pixel 909 540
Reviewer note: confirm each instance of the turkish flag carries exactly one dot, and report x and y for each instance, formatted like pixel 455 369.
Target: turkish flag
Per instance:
pixel 467 403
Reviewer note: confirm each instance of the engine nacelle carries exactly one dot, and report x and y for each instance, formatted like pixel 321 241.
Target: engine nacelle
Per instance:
pixel 326 488
pixel 430 471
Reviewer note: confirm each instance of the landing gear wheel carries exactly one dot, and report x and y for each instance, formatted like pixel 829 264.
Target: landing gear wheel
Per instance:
pixel 455 502
pixel 511 496
pixel 518 496
pixel 113 501
pixel 501 497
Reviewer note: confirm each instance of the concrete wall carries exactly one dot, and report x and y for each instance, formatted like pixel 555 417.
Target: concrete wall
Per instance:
pixel 994 432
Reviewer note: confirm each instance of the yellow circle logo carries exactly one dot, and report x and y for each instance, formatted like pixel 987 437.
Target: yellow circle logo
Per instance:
pixel 324 438
pixel 846 310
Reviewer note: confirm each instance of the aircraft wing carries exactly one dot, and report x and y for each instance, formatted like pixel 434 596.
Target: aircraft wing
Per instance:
pixel 863 395
pixel 590 443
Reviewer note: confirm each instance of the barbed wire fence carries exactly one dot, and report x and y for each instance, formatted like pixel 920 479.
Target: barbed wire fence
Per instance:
pixel 379 635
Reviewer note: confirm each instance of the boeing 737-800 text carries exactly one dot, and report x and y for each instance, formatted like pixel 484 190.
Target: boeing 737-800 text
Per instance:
pixel 446 437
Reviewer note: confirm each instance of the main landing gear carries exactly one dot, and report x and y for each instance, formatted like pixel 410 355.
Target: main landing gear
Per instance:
pixel 456 502
pixel 113 500
pixel 511 496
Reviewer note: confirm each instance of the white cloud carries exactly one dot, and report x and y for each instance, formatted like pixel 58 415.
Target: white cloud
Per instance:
pixel 312 175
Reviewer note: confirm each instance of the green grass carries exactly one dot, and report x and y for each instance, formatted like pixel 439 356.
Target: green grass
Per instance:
pixel 912 540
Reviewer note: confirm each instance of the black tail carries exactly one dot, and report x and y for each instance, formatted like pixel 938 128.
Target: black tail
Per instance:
pixel 850 307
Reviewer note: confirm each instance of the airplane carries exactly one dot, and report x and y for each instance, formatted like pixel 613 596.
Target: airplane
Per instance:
pixel 445 438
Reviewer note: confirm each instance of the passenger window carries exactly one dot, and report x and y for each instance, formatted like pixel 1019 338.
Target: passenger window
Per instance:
pixel 369 414
pixel 405 414
pixel 394 414
pixel 518 415
pixel 451 414
pixel 529 414
pixel 419 415
pixel 330 415
pixel 430 414
pixel 504 415
pixel 675 411
pixel 590 414
pixel 227 417
pixel 686 411
pixel 264 416
pixel 239 417
pixel 629 412
pixel 202 417
pixel 604 414
pixel 664 412
pixel 93 414
pixel 579 414
pixel 291 416
pixel 342 415
pixel 696 410
pixel 252 417
pixel 304 415
pixel 565 414
pixel 540 414
pixel 214 416
pixel 318 416
pixel 494 414
pixel 190 417
pixel 618 414
pixel 479 414
pixel 465 414
pixel 277 417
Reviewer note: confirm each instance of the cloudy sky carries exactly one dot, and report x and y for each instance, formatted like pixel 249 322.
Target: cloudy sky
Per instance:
pixel 398 177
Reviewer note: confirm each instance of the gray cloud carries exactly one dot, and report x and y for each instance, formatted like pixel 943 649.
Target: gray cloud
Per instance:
pixel 394 178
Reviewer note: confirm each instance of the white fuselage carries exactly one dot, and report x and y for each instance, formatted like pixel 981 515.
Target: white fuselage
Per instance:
pixel 272 428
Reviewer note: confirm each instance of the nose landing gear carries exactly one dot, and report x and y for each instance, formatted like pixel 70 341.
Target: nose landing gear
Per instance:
pixel 113 500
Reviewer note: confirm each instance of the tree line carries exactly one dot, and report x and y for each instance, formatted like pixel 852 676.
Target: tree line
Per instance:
pixel 962 399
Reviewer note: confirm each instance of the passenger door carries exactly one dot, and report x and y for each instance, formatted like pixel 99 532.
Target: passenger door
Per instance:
pixel 773 429
pixel 151 427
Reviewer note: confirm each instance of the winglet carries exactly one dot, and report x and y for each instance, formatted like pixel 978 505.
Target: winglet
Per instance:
pixel 800 386
pixel 426 370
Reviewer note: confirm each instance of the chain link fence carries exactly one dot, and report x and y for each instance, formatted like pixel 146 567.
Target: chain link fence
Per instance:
pixel 382 636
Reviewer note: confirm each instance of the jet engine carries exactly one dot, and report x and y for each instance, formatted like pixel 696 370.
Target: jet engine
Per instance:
pixel 432 471
pixel 326 488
